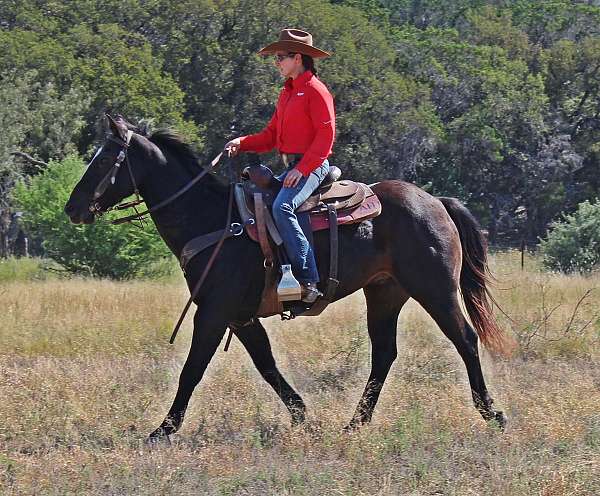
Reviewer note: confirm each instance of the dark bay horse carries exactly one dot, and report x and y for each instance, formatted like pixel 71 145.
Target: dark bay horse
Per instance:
pixel 420 247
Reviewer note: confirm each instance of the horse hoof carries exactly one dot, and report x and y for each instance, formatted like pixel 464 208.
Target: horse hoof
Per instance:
pixel 157 440
pixel 351 428
pixel 499 420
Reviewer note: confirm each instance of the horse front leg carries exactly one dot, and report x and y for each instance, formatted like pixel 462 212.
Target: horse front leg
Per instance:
pixel 256 341
pixel 208 333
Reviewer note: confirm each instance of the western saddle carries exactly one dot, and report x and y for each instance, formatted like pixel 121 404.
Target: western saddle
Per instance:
pixel 333 203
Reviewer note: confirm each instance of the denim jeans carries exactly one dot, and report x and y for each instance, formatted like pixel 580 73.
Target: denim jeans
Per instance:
pixel 296 245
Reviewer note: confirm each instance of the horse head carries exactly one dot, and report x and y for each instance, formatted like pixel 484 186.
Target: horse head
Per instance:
pixel 109 177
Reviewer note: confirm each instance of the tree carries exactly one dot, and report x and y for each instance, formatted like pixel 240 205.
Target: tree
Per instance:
pixel 35 120
pixel 548 22
pixel 430 13
pixel 494 102
pixel 500 152
pixel 492 26
pixel 115 69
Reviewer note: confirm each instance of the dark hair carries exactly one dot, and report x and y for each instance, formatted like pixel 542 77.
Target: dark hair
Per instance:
pixel 309 63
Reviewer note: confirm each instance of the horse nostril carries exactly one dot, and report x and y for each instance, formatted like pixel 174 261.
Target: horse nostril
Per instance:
pixel 69 209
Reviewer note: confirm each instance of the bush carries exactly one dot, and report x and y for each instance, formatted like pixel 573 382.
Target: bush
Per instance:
pixel 100 249
pixel 573 243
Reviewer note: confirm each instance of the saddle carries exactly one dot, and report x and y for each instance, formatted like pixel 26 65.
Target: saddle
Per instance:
pixel 353 201
pixel 333 203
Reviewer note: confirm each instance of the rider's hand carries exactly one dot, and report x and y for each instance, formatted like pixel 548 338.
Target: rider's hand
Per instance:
pixel 233 147
pixel 292 178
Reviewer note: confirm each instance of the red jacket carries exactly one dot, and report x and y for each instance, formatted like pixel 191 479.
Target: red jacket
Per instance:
pixel 303 123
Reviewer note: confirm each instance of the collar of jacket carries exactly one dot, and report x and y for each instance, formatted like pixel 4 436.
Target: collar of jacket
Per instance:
pixel 301 80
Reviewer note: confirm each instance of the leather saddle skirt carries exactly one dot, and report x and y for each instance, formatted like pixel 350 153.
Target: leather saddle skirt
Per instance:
pixel 353 201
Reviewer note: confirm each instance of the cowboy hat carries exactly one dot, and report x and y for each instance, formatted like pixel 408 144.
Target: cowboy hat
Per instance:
pixel 296 41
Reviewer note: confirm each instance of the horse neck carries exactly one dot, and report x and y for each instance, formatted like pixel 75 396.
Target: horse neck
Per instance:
pixel 200 210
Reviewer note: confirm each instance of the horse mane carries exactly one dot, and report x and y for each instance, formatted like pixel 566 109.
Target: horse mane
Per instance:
pixel 174 142
pixel 168 138
pixel 163 137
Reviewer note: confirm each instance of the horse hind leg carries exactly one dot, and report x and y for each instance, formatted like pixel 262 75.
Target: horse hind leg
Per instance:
pixel 451 320
pixel 256 341
pixel 384 302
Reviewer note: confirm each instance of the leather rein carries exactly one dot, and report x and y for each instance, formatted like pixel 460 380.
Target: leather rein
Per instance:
pixel 110 178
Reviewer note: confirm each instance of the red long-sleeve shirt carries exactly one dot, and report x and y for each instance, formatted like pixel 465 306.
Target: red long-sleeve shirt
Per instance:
pixel 303 123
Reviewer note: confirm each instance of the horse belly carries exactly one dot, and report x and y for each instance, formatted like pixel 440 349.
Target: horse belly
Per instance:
pixel 362 258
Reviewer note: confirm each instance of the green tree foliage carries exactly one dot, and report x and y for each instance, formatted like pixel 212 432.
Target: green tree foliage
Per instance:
pixel 493 114
pixel 572 75
pixel 550 21
pixel 35 119
pixel 123 75
pixel 573 243
pixel 38 118
pixel 99 249
pixel 211 51
pixel 115 69
pixel 509 151
pixel 490 26
pixel 494 102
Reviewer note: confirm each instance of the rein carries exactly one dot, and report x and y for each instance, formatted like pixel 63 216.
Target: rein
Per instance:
pixel 209 264
pixel 140 215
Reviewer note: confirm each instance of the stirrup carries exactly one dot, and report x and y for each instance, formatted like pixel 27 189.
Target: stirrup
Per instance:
pixel 289 288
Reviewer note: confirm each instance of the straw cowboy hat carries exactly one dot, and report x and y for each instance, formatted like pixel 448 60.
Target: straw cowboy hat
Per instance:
pixel 296 41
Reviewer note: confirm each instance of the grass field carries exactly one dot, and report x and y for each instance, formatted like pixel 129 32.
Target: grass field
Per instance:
pixel 86 373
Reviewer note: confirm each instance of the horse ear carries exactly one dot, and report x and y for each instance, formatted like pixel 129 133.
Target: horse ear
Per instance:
pixel 117 127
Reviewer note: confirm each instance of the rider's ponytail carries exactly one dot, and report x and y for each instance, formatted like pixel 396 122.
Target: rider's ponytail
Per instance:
pixel 309 63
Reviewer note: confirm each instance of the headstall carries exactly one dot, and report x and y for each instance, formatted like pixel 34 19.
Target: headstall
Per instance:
pixel 110 179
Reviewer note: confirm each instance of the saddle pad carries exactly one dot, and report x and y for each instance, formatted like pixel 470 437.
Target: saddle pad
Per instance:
pixel 369 208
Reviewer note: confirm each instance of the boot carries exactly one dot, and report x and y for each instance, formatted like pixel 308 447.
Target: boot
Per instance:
pixel 309 292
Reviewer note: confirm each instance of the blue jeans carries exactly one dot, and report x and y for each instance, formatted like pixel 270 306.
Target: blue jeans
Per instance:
pixel 296 245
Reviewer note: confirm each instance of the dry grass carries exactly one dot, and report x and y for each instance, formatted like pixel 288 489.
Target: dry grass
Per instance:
pixel 86 373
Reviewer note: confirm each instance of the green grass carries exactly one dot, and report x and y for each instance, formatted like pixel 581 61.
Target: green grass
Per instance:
pixel 27 269
pixel 22 269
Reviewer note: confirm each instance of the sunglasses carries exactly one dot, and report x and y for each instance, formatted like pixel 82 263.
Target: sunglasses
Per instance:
pixel 280 58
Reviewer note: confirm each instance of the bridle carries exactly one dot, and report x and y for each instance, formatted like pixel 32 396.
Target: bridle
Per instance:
pixel 110 178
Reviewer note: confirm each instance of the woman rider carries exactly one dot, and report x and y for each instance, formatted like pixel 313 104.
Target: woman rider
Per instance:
pixel 302 129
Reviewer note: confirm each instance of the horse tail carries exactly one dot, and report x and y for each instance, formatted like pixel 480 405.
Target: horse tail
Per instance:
pixel 475 277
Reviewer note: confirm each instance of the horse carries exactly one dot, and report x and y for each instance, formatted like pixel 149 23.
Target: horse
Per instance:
pixel 419 247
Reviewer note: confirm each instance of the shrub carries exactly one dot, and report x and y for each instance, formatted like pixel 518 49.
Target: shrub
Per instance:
pixel 100 249
pixel 572 244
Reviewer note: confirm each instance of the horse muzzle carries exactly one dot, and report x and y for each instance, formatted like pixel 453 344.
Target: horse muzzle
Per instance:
pixel 78 215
